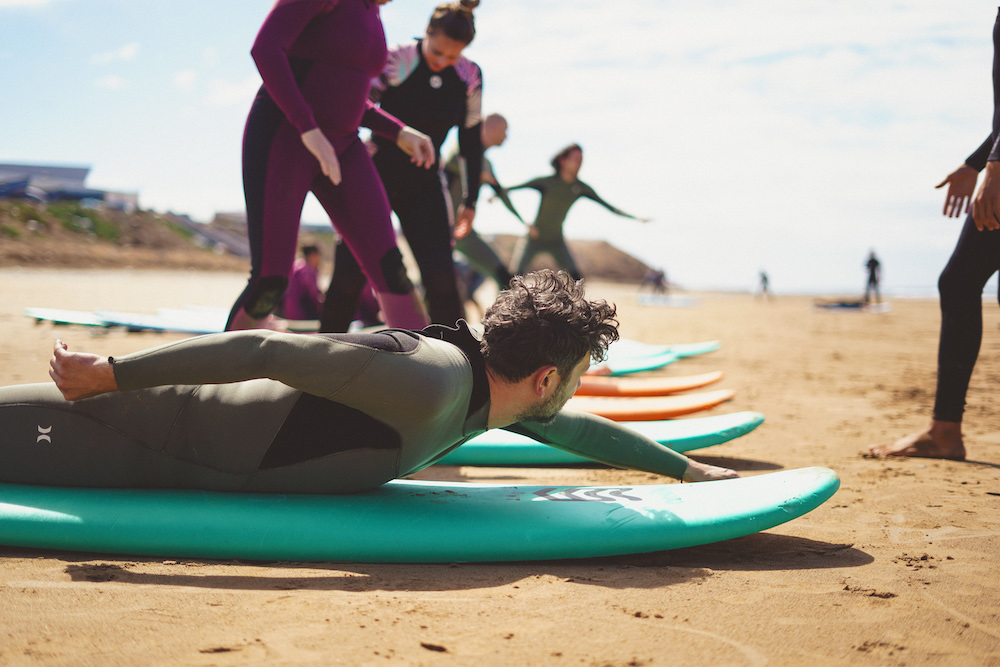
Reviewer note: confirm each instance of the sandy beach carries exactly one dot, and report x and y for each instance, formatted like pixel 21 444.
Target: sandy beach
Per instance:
pixel 900 567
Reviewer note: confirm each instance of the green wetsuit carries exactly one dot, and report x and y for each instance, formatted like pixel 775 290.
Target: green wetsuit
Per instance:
pixel 557 198
pixel 262 411
pixel 480 254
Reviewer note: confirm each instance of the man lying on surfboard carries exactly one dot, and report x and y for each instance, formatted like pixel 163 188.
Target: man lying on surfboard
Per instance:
pixel 262 411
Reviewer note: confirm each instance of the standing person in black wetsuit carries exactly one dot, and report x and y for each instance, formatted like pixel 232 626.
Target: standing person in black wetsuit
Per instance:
pixel 433 87
pixel 975 259
pixel 559 192
pixel 874 277
pixel 480 255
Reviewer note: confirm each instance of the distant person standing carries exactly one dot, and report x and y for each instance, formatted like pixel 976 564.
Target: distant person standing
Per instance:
pixel 764 285
pixel 657 281
pixel 559 192
pixel 478 252
pixel 975 259
pixel 874 276
pixel 303 300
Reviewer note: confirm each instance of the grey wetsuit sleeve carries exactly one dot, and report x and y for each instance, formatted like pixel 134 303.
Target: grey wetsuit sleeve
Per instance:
pixel 316 365
pixel 607 442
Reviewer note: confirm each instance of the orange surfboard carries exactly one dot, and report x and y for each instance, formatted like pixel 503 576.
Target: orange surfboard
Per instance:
pixel 603 385
pixel 648 408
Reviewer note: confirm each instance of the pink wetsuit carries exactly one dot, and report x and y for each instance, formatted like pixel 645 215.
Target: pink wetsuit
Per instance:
pixel 317 59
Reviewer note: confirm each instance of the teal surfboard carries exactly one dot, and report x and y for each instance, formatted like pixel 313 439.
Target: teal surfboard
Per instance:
pixel 409 521
pixel 623 365
pixel 62 317
pixel 498 447
pixel 626 348
pixel 195 323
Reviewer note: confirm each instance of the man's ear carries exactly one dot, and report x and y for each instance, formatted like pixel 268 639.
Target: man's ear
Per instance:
pixel 545 380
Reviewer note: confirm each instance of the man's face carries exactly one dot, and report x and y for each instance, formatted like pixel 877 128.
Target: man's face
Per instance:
pixel 546 410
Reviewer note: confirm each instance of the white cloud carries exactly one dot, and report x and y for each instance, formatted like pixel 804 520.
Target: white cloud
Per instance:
pixel 112 82
pixel 227 93
pixel 13 4
pixel 125 53
pixel 185 80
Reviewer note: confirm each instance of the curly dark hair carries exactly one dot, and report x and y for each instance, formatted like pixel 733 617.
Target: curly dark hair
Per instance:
pixel 455 20
pixel 543 318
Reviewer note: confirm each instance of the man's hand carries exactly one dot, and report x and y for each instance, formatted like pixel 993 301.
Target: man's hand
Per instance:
pixel 463 221
pixel 986 204
pixel 417 145
pixel 322 149
pixel 702 472
pixel 961 185
pixel 80 374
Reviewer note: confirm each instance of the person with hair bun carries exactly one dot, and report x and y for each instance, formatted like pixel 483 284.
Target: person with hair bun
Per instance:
pixel 559 192
pixel 428 84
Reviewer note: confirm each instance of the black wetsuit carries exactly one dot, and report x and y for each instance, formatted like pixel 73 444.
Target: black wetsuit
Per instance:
pixel 262 411
pixel 432 102
pixel 975 259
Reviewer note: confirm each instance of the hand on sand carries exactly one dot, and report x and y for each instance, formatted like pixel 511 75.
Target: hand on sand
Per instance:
pixel 942 440
pixel 702 472
pixel 80 374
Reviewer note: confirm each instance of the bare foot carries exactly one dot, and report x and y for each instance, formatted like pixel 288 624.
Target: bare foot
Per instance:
pixel 942 440
pixel 702 472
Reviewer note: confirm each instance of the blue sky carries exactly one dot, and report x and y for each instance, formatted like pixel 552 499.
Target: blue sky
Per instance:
pixel 792 138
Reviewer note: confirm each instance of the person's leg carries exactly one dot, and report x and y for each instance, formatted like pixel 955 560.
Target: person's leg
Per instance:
pixel 524 252
pixel 360 211
pixel 483 258
pixel 344 292
pixel 160 437
pixel 564 258
pixel 277 171
pixel 976 257
pixel 425 223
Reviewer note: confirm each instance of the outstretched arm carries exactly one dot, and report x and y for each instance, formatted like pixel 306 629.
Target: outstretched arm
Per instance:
pixel 316 364
pixel 589 193
pixel 608 442
pixel 501 194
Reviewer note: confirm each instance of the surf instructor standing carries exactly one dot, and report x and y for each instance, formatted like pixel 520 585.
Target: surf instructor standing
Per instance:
pixel 975 259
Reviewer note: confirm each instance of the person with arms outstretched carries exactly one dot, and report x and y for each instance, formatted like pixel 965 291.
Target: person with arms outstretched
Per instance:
pixel 273 412
pixel 477 251
pixel 559 192
pixel 975 259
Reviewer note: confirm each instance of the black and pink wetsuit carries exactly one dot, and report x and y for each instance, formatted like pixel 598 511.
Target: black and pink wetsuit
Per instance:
pixel 432 102
pixel 317 59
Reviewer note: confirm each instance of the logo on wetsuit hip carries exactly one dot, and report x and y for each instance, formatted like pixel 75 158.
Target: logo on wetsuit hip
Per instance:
pixel 435 82
pixel 586 494
pixel 43 434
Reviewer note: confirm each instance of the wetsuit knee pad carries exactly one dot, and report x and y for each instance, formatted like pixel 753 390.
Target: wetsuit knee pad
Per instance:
pixel 394 273
pixel 265 296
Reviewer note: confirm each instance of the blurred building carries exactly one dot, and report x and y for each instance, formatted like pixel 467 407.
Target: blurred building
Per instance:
pixel 54 183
